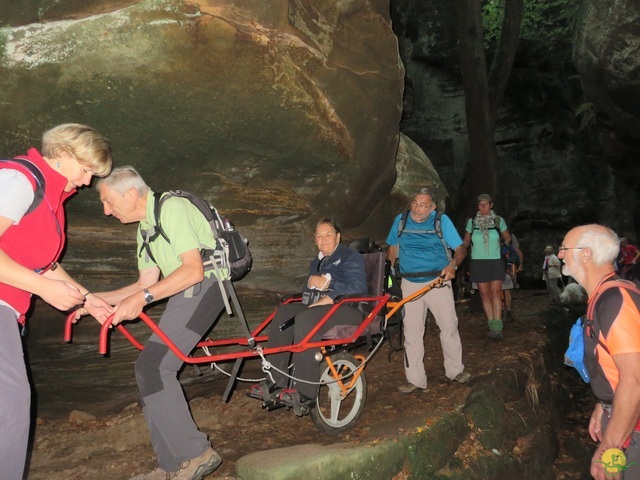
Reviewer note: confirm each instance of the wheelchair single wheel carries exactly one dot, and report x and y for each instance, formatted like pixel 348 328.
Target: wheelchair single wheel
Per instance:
pixel 334 411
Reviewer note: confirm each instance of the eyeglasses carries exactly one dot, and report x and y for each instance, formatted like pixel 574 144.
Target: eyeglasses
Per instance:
pixel 420 206
pixel 562 249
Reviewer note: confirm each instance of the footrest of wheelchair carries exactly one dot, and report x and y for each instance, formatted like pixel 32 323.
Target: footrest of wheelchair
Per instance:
pixel 252 394
pixel 291 399
pixel 273 405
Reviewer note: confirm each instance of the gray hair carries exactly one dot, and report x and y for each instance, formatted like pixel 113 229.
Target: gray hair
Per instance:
pixel 429 192
pixel 124 178
pixel 602 241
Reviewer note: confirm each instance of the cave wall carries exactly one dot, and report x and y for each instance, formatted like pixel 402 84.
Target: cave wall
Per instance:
pixel 279 112
pixel 284 111
pixel 296 104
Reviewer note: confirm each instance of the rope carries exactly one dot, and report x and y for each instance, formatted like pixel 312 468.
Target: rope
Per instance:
pixel 268 366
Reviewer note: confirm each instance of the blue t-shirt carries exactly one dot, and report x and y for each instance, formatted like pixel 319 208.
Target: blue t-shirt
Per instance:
pixel 423 252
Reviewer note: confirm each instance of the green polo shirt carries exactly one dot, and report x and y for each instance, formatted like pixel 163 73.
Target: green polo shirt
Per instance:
pixel 186 227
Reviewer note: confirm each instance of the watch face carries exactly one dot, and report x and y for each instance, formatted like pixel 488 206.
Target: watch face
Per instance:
pixel 148 298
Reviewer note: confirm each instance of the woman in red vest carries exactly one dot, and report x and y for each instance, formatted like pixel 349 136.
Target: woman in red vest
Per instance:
pixel 33 189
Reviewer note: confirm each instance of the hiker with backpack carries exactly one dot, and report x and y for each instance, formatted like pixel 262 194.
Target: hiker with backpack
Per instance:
pixel 628 259
pixel 170 266
pixel 552 274
pixel 33 190
pixel 483 235
pixel 421 240
pixel 514 259
pixel 611 338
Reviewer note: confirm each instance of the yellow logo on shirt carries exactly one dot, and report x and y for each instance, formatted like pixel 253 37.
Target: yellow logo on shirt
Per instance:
pixel 614 462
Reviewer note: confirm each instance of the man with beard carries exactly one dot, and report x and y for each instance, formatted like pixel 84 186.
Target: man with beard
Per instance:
pixel 611 349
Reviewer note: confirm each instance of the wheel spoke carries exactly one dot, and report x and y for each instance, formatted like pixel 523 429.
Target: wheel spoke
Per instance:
pixel 337 410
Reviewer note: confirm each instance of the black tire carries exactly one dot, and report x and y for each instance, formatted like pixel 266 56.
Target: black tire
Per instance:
pixel 333 413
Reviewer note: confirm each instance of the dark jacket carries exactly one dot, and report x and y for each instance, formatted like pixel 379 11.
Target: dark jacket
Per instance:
pixel 346 267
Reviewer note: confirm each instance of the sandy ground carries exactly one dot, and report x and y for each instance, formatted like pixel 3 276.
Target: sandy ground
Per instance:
pixel 116 446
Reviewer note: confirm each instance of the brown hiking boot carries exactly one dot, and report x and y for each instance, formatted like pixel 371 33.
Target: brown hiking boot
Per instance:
pixel 199 467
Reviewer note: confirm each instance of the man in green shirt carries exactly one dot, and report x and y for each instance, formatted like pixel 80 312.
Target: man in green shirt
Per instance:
pixel 167 269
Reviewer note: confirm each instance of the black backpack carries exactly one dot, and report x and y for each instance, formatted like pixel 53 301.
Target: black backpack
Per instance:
pixel 38 194
pixel 234 247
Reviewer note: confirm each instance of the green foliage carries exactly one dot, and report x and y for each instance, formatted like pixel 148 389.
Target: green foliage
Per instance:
pixel 542 19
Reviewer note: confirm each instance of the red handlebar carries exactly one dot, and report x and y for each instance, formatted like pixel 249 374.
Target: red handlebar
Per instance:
pixel 104 332
pixel 68 327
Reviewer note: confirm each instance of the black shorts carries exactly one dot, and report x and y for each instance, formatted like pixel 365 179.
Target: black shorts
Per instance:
pixel 483 271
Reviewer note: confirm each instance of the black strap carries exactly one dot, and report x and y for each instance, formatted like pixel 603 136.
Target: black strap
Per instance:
pixel 38 193
pixel 434 273
pixel 606 285
pixel 158 231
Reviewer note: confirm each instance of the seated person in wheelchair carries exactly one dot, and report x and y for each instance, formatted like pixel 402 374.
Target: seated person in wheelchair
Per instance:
pixel 337 270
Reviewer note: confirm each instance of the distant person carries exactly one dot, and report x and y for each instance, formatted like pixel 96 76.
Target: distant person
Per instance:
pixel 611 350
pixel 170 269
pixel 551 273
pixel 483 235
pixel 336 270
pixel 628 260
pixel 513 267
pixel 33 190
pixel 423 255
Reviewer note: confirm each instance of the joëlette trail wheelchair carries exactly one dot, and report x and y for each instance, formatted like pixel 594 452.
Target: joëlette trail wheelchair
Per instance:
pixel 342 381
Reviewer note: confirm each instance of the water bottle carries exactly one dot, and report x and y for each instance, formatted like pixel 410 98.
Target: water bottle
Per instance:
pixel 228 226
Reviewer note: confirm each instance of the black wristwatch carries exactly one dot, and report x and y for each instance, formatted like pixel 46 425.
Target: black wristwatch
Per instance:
pixel 148 298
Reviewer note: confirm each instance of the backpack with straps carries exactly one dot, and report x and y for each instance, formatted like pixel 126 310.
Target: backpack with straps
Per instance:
pixel 232 249
pixel 509 254
pixel 496 226
pixel 38 177
pixel 437 230
pixel 603 287
pixel 574 356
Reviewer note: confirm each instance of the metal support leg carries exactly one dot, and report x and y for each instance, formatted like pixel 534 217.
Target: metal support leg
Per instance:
pixel 232 380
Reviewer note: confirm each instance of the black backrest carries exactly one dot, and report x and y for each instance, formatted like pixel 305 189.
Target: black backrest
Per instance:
pixel 374 266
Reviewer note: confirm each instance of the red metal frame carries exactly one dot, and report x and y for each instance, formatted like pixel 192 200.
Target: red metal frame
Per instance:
pixel 304 344
pixel 379 303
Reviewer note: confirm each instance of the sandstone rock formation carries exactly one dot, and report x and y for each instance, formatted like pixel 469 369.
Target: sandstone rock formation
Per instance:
pixel 286 109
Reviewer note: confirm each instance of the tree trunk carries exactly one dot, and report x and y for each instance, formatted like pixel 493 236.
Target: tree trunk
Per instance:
pixel 480 172
pixel 505 55
pixel 481 101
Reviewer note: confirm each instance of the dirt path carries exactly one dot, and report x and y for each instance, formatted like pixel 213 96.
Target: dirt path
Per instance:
pixel 117 446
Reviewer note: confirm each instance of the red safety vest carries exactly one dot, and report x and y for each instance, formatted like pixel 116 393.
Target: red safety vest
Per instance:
pixel 39 238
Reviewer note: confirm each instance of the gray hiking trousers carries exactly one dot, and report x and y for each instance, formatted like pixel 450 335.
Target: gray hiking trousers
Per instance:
pixel 15 398
pixel 631 469
pixel 174 435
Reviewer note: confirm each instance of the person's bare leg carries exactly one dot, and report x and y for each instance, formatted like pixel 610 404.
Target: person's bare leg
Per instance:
pixel 495 288
pixel 485 295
